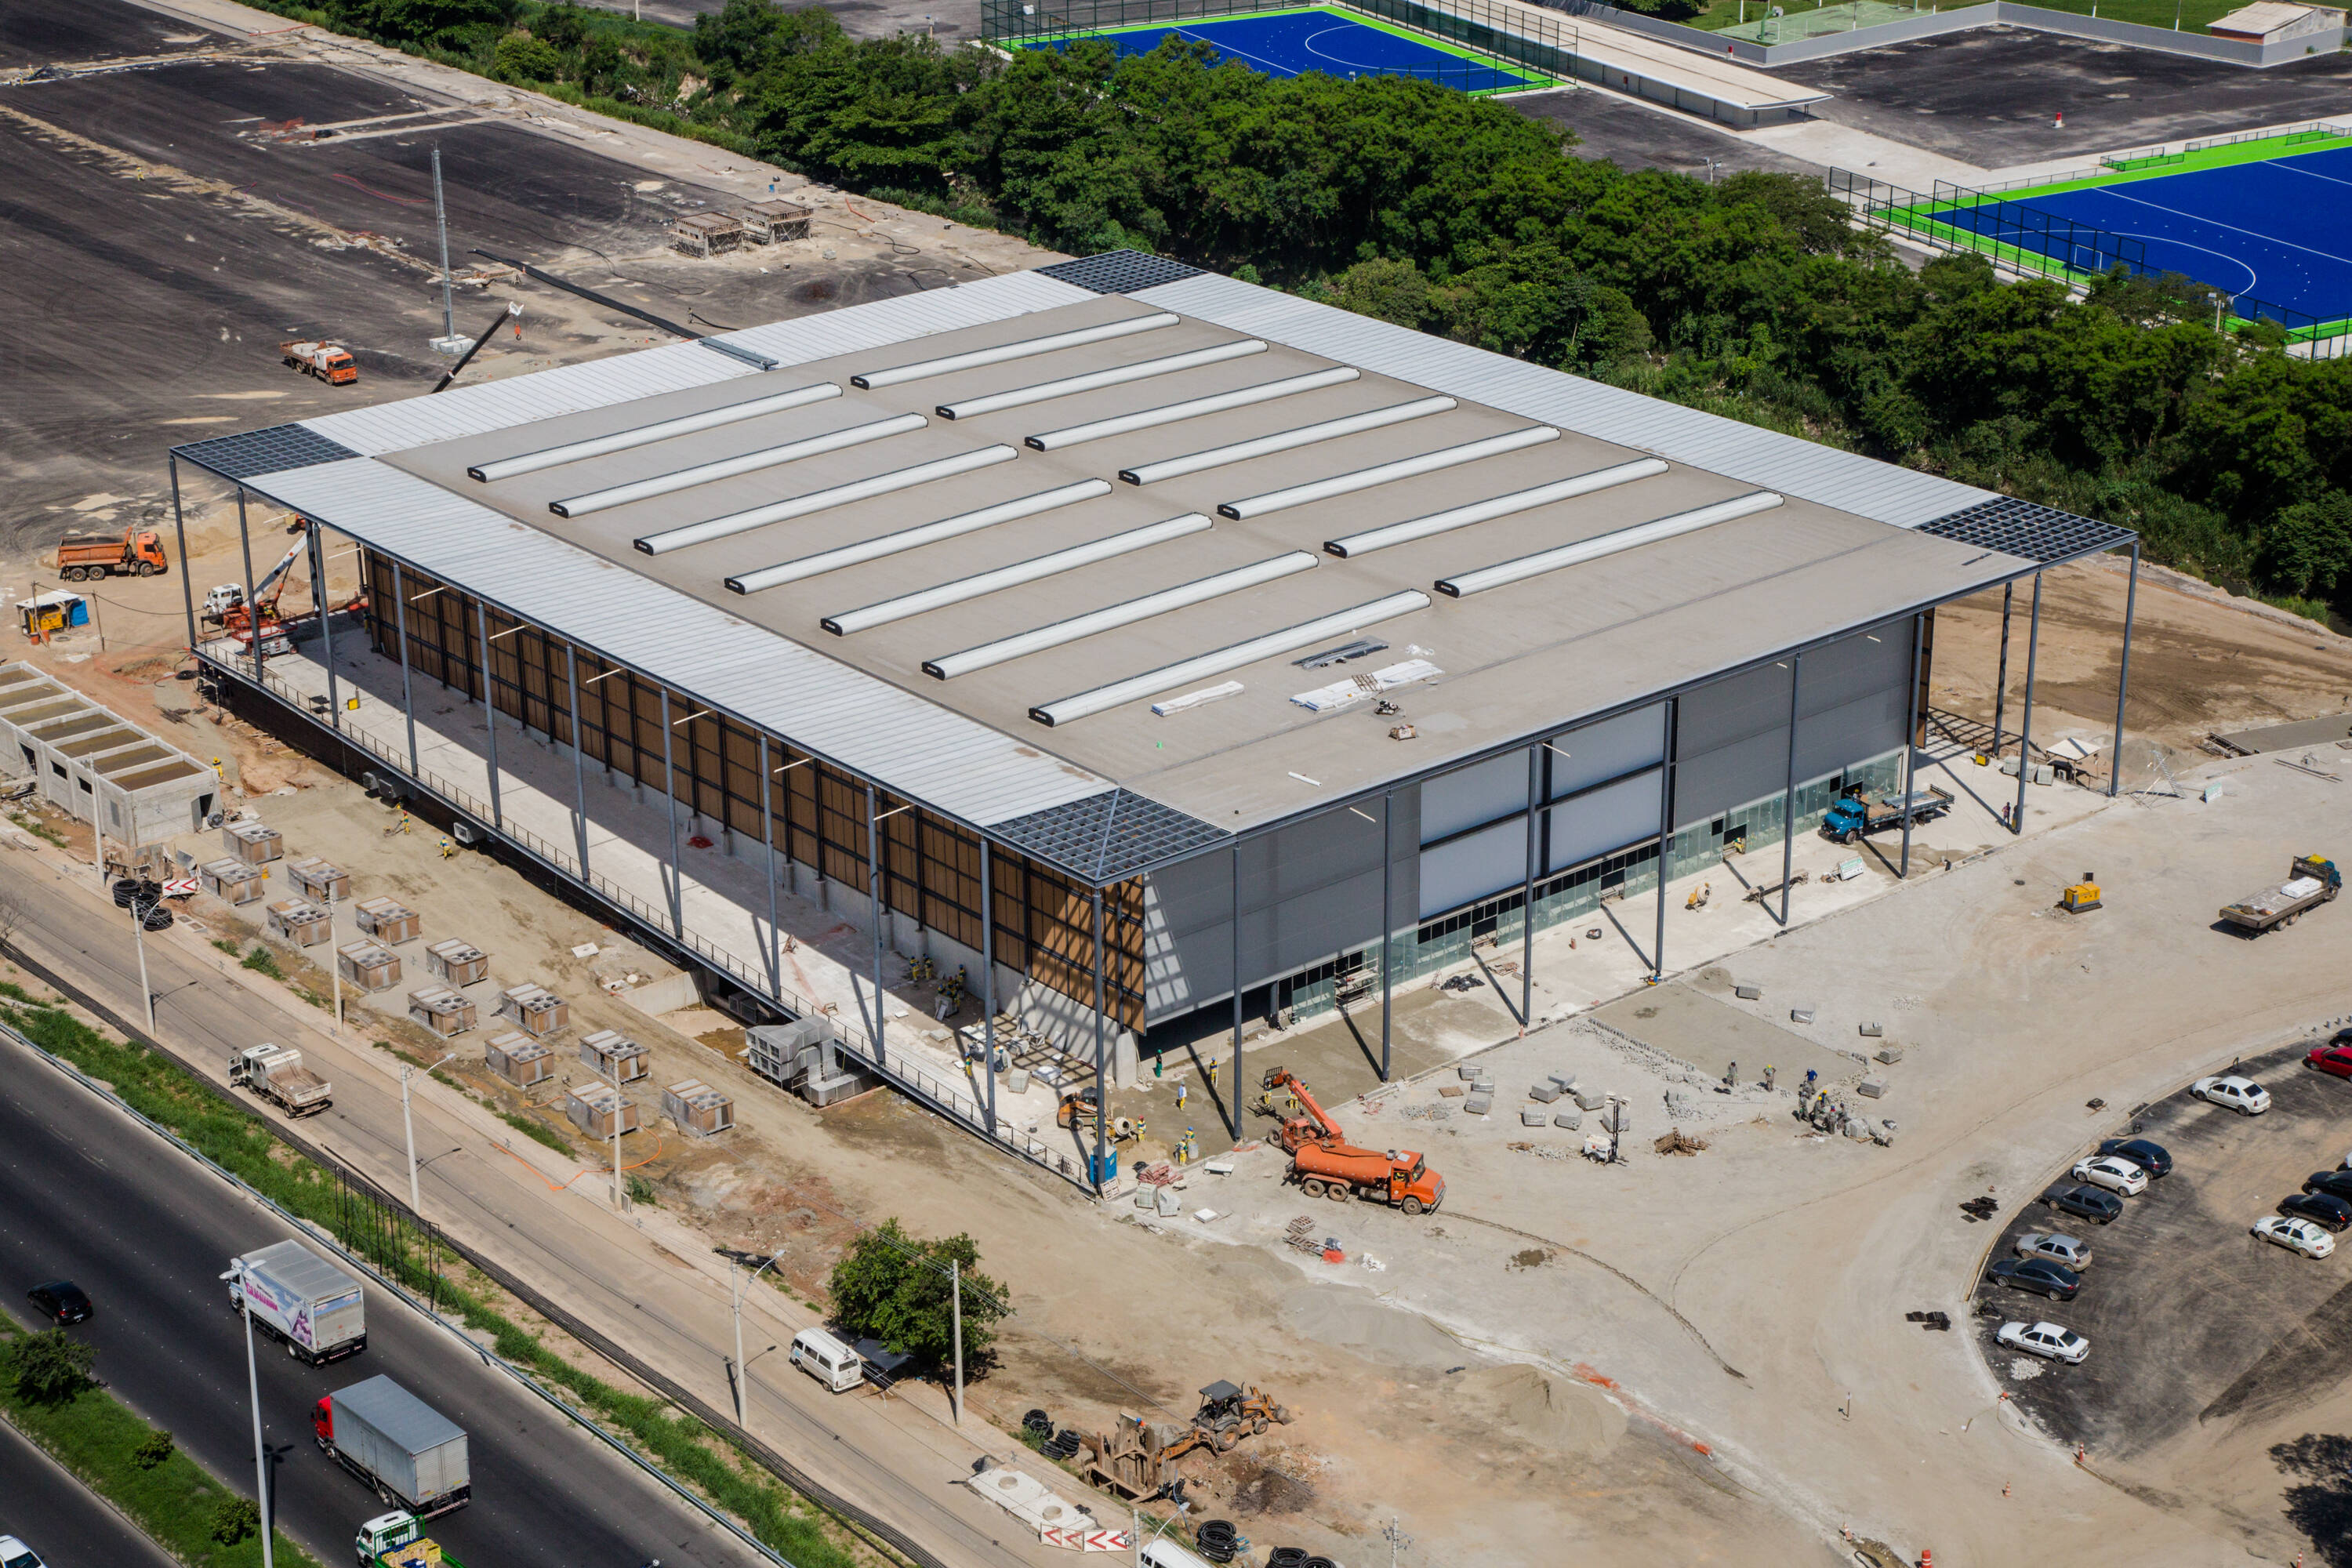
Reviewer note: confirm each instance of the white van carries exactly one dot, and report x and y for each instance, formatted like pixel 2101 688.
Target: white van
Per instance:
pixel 1165 1553
pixel 827 1359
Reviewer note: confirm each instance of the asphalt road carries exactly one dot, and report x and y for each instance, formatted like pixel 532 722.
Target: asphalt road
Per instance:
pixel 57 1516
pixel 88 1194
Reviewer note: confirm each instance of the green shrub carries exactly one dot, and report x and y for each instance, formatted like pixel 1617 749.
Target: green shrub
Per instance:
pixel 235 1518
pixel 261 961
pixel 153 1450
pixel 538 1131
pixel 50 1367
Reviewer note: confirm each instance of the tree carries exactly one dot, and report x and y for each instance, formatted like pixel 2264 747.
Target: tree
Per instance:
pixel 441 22
pixel 522 57
pixel 2306 550
pixel 52 1366
pixel 233 1519
pixel 895 1288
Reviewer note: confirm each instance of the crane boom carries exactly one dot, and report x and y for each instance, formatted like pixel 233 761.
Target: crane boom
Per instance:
pixel 1283 1077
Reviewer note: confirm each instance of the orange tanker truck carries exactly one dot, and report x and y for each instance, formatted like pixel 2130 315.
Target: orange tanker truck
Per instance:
pixel 1326 1165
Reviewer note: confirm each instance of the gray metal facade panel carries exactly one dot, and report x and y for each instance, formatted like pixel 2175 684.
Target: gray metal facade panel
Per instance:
pixel 1863 486
pixel 913 747
pixel 519 400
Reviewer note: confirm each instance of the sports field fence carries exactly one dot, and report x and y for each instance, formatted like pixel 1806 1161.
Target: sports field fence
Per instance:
pixel 1517 36
pixel 2028 241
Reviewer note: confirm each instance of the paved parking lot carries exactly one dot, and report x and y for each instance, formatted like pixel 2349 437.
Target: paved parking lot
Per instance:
pixel 2192 1320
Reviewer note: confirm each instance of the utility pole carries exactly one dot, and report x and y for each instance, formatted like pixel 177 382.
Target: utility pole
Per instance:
pixel 253 1386
pixel 955 1299
pixel 735 1302
pixel 620 1203
pixel 334 957
pixel 408 1126
pixel 449 342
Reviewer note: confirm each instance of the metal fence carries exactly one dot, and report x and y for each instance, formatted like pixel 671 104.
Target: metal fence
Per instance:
pixel 2030 242
pixel 1525 37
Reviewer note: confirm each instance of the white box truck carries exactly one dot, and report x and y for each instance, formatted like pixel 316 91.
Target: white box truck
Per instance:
pixel 298 1297
pixel 413 1456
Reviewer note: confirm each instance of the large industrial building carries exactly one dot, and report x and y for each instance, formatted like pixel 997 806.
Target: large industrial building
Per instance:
pixel 1179 624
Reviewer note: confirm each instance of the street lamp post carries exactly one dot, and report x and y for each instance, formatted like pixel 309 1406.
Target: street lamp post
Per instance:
pixel 253 1386
pixel 735 1302
pixel 408 1126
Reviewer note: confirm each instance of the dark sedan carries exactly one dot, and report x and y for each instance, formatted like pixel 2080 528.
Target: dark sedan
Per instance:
pixel 2335 1183
pixel 61 1301
pixel 2084 1203
pixel 2039 1275
pixel 2320 1208
pixel 2153 1158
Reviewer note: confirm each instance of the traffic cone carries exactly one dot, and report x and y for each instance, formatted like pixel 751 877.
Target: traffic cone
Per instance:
pixel 1926 1558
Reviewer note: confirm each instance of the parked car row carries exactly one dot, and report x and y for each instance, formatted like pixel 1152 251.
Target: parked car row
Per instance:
pixel 2051 1263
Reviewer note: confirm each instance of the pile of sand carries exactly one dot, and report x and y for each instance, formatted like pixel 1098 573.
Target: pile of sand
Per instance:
pixel 1353 1320
pixel 1544 1411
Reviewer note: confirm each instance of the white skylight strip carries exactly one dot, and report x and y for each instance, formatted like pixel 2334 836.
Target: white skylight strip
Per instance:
pixel 1020 396
pixel 916 537
pixel 818 501
pixel 1403 468
pixel 1193 408
pixel 645 435
pixel 1405 532
pixel 1012 576
pixel 1170 677
pixel 1113 616
pixel 1285 440
pixel 729 468
pixel 924 369
pixel 1463 584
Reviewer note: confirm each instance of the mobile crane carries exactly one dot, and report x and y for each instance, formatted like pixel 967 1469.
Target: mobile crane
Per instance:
pixel 1326 1165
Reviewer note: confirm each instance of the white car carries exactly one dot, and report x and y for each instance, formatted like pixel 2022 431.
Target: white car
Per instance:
pixel 15 1553
pixel 2117 1175
pixel 2050 1339
pixel 2066 1249
pixel 2295 1234
pixel 2242 1095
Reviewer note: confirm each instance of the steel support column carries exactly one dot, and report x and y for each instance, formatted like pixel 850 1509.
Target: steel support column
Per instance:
pixel 326 626
pixel 180 528
pixel 2123 679
pixel 988 979
pixel 669 802
pixel 1102 1085
pixel 768 850
pixel 1665 834
pixel 489 709
pixel 1788 795
pixel 1528 893
pixel 578 768
pixel 1236 1099
pixel 1388 918
pixel 252 610
pixel 407 691
pixel 881 910
pixel 2001 680
pixel 2025 719
pixel 1911 737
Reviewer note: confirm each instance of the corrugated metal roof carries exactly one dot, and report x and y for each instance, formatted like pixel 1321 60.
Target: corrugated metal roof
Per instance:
pixel 599 383
pixel 1794 467
pixel 913 747
pixel 880 323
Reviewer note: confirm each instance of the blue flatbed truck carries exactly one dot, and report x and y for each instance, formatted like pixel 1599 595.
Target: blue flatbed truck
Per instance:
pixel 1856 816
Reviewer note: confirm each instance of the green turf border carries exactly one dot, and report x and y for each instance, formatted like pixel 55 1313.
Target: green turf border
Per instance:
pixel 1535 80
pixel 2265 151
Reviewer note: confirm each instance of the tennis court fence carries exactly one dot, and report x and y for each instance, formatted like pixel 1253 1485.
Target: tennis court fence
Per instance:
pixel 2028 241
pixel 1519 36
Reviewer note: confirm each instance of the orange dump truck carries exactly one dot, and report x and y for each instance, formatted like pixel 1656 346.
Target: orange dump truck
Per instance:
pixel 330 363
pixel 133 552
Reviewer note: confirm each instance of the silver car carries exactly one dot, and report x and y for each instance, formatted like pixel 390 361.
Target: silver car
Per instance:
pixel 2066 1249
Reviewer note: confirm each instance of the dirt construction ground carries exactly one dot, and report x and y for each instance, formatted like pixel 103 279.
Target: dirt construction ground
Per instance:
pixel 1682 1357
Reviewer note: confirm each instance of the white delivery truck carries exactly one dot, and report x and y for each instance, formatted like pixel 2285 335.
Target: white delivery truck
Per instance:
pixel 416 1457
pixel 297 1297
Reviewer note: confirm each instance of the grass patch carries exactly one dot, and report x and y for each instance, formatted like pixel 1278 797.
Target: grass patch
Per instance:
pixel 228 944
pixel 538 1131
pixel 37 828
pixel 135 1466
pixel 244 1145
pixel 261 961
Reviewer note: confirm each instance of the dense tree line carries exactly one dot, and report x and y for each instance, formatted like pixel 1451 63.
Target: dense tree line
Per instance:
pixel 1754 298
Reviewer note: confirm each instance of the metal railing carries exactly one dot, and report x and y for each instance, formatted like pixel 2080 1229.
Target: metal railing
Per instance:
pixel 1517 36
pixel 936 1092
pixel 2309 131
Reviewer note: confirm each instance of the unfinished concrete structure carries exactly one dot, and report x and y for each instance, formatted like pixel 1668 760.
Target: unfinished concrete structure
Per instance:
pixel 1181 625
pixel 136 791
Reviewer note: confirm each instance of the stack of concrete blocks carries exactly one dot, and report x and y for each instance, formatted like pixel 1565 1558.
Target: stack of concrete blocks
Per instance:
pixel 802 1056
